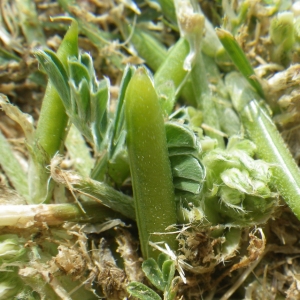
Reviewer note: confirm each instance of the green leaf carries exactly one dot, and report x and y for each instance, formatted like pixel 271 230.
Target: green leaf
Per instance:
pixel 118 164
pixel 180 136
pixel 187 167
pixel 99 117
pixel 119 114
pixel 11 248
pixel 238 143
pixel 162 257
pixel 181 151
pixel 118 167
pixel 53 121
pixel 79 152
pixel 87 61
pixel 166 92
pixel 171 293
pixel 78 71
pixel 84 128
pixel 154 274
pixel 147 46
pixel 117 157
pixel 232 241
pixel 83 101
pixel 168 271
pixel 183 148
pixel 100 101
pixel 239 58
pixel 172 70
pixel 231 196
pixel 100 169
pixel 141 291
pixel 187 185
pixel 241 181
pixel 148 157
pixel 56 72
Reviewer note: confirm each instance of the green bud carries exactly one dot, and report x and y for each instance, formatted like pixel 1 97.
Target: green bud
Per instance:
pixel 11 248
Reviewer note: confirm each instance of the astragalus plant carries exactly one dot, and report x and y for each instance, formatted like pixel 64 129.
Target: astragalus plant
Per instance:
pixel 159 149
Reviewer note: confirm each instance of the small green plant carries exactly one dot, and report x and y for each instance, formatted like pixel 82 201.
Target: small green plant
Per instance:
pixel 185 154
pixel 161 275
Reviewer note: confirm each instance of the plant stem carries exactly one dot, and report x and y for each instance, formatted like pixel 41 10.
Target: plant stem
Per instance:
pixel 98 191
pixel 23 216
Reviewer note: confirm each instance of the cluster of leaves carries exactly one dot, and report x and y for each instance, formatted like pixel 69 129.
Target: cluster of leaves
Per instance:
pixel 86 101
pixel 232 175
pixel 240 182
pixel 161 275
pixel 217 181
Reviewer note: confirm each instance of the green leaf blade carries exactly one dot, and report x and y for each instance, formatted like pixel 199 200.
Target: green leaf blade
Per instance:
pixel 56 72
pixel 154 274
pixel 142 292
